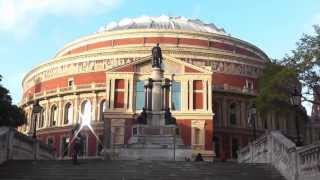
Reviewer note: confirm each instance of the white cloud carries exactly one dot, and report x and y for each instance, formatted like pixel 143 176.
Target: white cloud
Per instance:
pixel 25 14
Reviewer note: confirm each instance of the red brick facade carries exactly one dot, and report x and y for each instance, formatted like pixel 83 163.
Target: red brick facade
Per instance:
pixel 164 40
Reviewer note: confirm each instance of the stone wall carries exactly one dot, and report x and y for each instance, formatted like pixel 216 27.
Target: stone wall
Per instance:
pixel 294 163
pixel 17 146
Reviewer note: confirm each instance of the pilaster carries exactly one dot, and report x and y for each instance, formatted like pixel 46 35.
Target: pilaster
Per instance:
pixel 60 112
pixel 94 106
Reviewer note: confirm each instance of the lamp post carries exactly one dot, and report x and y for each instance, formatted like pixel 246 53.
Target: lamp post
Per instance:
pixel 296 101
pixel 35 109
pixel 253 113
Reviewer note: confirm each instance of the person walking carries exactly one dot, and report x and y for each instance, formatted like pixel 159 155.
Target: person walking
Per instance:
pixel 76 149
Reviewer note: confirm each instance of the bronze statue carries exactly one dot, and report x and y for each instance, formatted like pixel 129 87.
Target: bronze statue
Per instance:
pixel 156 56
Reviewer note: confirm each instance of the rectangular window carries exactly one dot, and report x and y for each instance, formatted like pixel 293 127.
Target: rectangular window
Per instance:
pixel 70 82
pixel 119 93
pixel 249 84
pixel 197 94
pixel 139 95
pixel 176 96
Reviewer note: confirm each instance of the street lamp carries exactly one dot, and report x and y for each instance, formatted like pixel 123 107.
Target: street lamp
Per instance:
pixel 296 101
pixel 35 109
pixel 253 113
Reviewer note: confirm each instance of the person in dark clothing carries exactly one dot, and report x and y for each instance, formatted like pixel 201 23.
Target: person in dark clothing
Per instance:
pixel 199 157
pixel 76 149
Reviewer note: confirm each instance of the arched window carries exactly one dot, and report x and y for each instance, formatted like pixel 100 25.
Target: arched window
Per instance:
pixel 86 112
pixel 68 114
pixel 103 108
pixel 232 114
pixel 42 118
pixel 53 115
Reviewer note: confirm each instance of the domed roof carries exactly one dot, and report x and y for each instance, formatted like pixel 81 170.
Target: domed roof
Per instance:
pixel 162 22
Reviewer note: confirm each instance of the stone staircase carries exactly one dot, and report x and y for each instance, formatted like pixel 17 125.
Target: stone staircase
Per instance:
pixel 135 170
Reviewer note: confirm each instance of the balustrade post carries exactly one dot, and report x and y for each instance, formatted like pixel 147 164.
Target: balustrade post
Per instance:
pixel 296 165
pixel 270 146
pixel 251 151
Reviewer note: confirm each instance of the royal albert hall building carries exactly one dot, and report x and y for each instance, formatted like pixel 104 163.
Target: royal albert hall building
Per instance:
pixel 101 77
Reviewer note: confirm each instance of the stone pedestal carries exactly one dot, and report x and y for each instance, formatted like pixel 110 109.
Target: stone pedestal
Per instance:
pixel 153 139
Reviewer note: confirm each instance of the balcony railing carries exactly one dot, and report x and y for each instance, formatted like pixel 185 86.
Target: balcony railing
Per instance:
pixel 234 89
pixel 65 90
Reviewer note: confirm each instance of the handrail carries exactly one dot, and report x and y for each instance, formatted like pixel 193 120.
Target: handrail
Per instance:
pixel 294 163
pixel 15 145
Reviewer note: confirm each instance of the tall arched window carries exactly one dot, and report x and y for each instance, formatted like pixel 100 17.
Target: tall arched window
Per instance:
pixel 86 112
pixel 68 114
pixel 42 118
pixel 53 115
pixel 103 108
pixel 232 114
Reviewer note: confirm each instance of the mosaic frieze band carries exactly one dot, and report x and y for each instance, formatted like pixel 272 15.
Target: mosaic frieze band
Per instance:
pixel 103 65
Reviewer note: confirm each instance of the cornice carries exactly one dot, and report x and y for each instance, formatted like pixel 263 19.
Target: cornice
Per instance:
pixel 138 52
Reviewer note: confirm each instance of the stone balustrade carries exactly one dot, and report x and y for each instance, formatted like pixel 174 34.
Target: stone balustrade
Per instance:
pixel 17 146
pixel 65 90
pixel 234 89
pixel 294 163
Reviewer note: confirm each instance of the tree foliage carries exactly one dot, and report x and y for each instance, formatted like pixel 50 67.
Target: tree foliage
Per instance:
pixel 306 60
pixel 10 115
pixel 275 86
pixel 300 69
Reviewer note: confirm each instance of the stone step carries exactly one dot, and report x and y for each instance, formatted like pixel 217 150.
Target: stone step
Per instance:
pixel 98 169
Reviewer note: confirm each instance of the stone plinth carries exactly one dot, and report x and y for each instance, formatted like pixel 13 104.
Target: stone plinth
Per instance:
pixel 149 154
pixel 154 136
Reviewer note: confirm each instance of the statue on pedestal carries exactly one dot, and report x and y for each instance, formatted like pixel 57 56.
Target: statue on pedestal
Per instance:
pixel 156 56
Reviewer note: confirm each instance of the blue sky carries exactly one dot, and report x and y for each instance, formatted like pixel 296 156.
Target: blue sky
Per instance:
pixel 31 31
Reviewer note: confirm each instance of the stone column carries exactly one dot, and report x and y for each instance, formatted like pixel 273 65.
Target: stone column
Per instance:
pixel 46 114
pixel 210 92
pixel 156 96
pixel 164 97
pixel 95 105
pixel 244 117
pixel 145 98
pixel 60 113
pixel 76 109
pixel 224 113
pixel 191 95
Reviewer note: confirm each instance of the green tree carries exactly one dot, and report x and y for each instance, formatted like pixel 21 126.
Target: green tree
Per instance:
pixel 305 59
pixel 300 69
pixel 10 115
pixel 275 87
